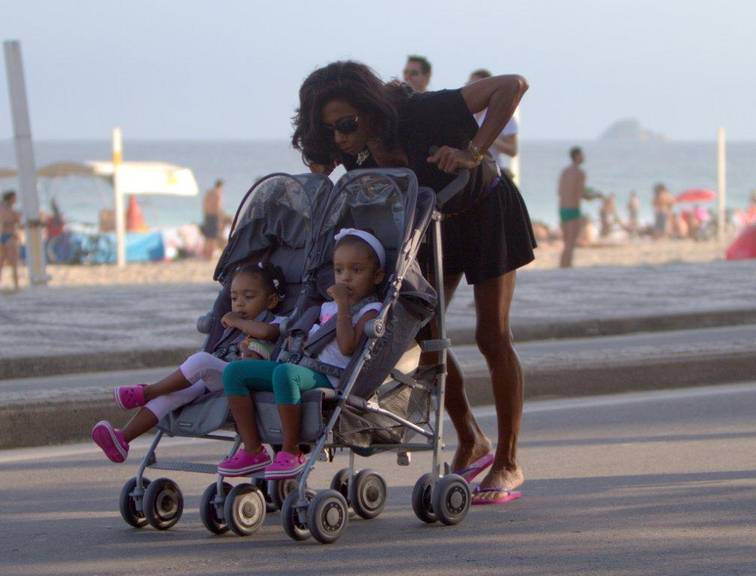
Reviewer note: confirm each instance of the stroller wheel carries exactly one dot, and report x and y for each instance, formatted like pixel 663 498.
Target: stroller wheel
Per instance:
pixel 421 499
pixel 262 486
pixel 340 483
pixel 292 525
pixel 368 493
pixel 163 503
pixel 327 516
pixel 280 489
pixel 211 508
pixel 451 499
pixel 132 506
pixel 244 509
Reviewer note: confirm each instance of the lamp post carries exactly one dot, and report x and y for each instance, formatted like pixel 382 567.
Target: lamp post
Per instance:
pixel 721 183
pixel 118 212
pixel 27 179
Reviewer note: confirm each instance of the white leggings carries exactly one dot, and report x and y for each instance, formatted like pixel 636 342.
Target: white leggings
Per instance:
pixel 203 371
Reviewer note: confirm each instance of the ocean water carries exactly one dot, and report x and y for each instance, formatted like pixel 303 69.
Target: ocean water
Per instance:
pixel 617 167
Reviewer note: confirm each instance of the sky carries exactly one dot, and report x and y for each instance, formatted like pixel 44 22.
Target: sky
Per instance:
pixel 206 70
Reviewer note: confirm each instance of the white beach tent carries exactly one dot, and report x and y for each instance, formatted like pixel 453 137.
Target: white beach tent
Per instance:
pixel 133 177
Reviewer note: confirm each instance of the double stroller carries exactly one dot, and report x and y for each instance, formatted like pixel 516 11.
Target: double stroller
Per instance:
pixel 385 400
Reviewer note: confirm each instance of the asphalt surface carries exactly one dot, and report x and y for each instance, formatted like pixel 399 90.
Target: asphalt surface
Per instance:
pixel 646 483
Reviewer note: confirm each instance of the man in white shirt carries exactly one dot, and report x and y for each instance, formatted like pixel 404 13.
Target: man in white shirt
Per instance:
pixel 505 146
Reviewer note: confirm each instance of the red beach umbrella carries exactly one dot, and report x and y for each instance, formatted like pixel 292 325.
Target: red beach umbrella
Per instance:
pixel 744 246
pixel 696 195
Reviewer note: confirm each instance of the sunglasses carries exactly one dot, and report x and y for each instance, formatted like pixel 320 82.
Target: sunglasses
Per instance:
pixel 346 125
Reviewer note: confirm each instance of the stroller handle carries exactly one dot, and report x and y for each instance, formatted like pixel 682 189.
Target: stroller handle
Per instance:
pixel 452 188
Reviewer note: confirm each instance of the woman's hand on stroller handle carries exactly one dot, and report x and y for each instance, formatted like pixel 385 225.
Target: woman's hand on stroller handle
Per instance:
pixel 455 186
pixel 451 160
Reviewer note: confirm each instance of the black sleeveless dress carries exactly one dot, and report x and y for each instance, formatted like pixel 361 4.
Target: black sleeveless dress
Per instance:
pixel 487 230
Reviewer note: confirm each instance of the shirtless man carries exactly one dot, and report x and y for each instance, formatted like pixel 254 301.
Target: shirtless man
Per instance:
pixel 572 190
pixel 213 219
pixel 10 221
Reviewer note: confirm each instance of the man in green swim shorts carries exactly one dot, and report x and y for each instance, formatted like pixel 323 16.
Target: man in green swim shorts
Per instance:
pixel 572 190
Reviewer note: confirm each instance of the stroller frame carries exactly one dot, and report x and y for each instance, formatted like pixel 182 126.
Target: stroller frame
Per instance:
pixel 437 495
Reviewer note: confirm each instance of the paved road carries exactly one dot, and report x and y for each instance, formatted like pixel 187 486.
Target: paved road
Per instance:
pixel 651 483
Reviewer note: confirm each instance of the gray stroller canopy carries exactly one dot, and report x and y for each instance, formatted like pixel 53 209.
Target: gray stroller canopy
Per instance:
pixel 381 202
pixel 277 211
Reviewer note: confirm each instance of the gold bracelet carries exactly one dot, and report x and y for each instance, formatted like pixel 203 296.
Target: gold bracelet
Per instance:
pixel 477 153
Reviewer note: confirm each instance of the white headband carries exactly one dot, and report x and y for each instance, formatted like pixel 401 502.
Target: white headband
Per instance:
pixel 374 243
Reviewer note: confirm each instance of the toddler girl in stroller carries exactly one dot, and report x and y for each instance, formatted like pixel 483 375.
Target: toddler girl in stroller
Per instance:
pixel 251 329
pixel 359 262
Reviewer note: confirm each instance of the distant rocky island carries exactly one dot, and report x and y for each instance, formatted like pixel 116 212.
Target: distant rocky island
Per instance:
pixel 630 130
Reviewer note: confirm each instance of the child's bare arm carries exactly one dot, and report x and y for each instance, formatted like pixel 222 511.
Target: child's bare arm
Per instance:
pixel 347 335
pixel 252 328
pixel 259 330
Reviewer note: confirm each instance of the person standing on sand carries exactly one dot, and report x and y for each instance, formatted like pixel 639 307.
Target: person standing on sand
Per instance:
pixel 572 190
pixel 417 73
pixel 608 214
pixel 212 224
pixel 664 218
pixel 633 210
pixel 10 221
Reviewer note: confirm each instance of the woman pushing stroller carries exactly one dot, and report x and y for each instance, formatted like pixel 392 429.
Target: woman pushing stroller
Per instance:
pixel 251 330
pixel 348 116
pixel 359 262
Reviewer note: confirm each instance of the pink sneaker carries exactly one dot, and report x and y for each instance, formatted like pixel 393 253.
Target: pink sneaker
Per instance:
pixel 128 397
pixel 110 440
pixel 243 463
pixel 285 465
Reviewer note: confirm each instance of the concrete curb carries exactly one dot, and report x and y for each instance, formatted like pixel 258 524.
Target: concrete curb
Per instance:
pixel 40 366
pixel 56 422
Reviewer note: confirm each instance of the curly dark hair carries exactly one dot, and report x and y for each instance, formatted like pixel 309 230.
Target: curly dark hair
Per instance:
pixel 272 277
pixel 356 84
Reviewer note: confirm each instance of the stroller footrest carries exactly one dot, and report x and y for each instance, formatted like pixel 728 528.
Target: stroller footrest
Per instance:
pixel 435 345
pixel 269 422
pixel 185 466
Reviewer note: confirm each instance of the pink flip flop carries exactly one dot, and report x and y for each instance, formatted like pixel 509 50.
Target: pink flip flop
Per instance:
pixel 476 467
pixel 504 496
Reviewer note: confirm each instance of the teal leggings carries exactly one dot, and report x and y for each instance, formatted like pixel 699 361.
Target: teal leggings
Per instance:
pixel 286 381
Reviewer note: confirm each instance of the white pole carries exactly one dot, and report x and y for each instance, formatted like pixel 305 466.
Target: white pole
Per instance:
pixel 35 254
pixel 514 162
pixel 118 212
pixel 721 183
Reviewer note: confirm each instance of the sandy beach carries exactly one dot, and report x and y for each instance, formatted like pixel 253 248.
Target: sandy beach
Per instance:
pixel 642 251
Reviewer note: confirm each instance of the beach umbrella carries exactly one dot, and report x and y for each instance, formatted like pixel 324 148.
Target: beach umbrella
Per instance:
pixel 696 195
pixel 63 169
pixel 744 246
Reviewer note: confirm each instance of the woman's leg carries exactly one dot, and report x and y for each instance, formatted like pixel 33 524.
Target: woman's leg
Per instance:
pixel 14 254
pixel 493 299
pixel 472 442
